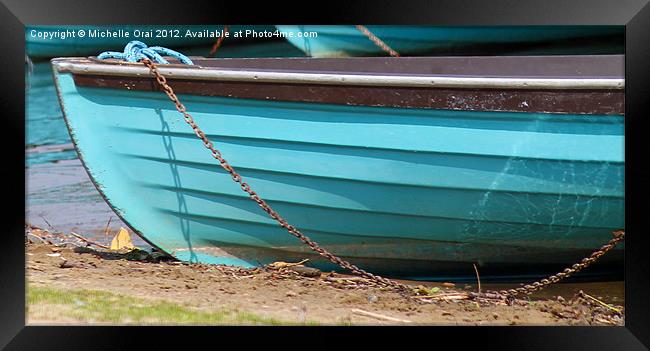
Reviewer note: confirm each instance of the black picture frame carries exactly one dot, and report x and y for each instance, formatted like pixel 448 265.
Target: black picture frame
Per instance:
pixel 633 14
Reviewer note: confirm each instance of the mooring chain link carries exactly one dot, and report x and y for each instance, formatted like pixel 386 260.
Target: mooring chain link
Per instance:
pixel 619 235
pixel 526 289
pixel 375 39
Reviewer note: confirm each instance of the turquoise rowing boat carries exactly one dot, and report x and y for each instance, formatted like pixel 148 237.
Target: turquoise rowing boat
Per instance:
pixel 56 41
pixel 410 167
pixel 347 40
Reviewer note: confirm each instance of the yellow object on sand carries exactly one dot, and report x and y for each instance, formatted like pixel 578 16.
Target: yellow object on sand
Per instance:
pixel 281 264
pixel 122 240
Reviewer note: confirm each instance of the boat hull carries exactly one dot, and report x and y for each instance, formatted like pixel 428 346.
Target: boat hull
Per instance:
pixel 347 40
pixel 415 193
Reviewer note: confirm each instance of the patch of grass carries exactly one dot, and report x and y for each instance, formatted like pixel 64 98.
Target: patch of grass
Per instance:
pixel 87 306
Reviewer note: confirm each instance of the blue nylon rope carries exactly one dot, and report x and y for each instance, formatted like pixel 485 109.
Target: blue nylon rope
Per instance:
pixel 137 50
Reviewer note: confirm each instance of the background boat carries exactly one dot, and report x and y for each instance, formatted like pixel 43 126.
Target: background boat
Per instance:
pixel 347 40
pixel 414 181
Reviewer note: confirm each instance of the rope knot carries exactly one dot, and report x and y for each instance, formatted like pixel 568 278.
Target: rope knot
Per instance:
pixel 135 51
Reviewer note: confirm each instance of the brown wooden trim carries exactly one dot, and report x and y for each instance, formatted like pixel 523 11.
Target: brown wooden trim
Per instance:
pixel 559 66
pixel 513 100
pixel 550 66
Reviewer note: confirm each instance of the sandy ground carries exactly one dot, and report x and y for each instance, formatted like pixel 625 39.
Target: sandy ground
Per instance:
pixel 288 294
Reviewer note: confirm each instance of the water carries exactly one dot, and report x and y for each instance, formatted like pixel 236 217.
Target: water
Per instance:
pixel 47 138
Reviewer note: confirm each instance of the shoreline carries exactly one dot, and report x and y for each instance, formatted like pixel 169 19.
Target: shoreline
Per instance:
pixel 136 287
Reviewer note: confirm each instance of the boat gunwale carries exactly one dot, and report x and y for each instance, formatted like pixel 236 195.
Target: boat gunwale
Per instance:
pixel 91 66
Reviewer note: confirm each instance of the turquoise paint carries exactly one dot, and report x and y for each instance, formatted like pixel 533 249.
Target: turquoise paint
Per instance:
pixel 407 192
pixel 409 40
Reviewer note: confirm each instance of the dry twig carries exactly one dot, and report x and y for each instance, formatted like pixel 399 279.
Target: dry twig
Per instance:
pixel 600 302
pixel 379 316
pixel 89 241
pixel 477 278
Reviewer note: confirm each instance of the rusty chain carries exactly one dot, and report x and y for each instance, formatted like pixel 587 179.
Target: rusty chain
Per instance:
pixel 375 39
pixel 526 289
pixel 619 235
